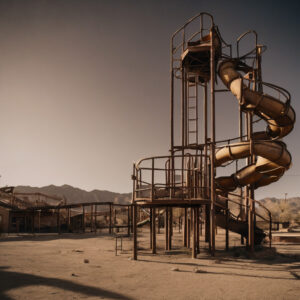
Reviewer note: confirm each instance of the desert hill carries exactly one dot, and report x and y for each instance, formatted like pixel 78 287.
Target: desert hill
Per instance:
pixel 282 210
pixel 76 195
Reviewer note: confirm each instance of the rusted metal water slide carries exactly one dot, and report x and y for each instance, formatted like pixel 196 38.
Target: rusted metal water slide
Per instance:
pixel 187 178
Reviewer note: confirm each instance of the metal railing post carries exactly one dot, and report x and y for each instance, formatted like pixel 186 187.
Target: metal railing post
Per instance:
pixel 152 180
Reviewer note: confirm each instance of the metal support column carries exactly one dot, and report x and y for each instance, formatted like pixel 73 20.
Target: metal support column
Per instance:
pixel 134 223
pixel 185 228
pixel 197 230
pixel 110 218
pixel 170 228
pixel 194 230
pixel 151 226
pixel 153 230
pixel 128 220
pixel 212 145
pixel 227 227
pixel 167 228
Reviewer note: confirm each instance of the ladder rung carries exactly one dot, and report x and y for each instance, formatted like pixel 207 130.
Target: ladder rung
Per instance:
pixel 192 119
pixel 192 107
pixel 192 96
pixel 192 131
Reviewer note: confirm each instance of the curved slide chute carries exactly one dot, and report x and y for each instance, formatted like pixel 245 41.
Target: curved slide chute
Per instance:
pixel 273 159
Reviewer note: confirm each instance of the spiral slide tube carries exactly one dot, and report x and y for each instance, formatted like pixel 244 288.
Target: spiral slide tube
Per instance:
pixel 273 159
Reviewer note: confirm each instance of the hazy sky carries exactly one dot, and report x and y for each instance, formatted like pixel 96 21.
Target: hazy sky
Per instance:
pixel 84 85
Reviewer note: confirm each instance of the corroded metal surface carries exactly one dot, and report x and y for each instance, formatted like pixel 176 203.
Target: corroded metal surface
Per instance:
pixel 187 177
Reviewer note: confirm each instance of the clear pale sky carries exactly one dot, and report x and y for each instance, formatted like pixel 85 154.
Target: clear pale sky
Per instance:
pixel 84 85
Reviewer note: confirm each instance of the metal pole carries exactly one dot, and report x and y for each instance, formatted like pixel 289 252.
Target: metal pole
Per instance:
pixel 131 214
pixel 83 218
pixel 116 246
pixel 227 226
pixel 134 223
pixel 153 231
pixel 207 223
pixel 110 218
pixel 133 194
pixel 151 227
pixel 167 228
pixel 152 180
pixel 205 139
pixel 185 228
pixel 172 123
pixel 212 147
pixel 270 231
pixel 251 190
pixel 194 228
pixel 170 227
pixel 172 110
pixel 247 187
pixel 128 220
pixel 182 106
pixel 96 211
pixel 182 128
pixel 197 229
pixel 189 229
pixel 241 132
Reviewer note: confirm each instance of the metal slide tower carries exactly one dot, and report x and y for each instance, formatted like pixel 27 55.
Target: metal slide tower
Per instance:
pixel 187 177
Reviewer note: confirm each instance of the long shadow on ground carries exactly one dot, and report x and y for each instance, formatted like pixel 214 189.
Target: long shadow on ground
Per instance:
pixel 13 280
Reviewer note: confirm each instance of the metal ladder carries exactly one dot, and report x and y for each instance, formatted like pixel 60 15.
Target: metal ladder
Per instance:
pixel 191 110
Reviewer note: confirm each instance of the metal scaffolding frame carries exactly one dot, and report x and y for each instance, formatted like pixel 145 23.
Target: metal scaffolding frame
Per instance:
pixel 187 177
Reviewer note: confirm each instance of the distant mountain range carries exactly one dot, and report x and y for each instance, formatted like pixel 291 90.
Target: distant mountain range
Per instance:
pixel 279 207
pixel 76 195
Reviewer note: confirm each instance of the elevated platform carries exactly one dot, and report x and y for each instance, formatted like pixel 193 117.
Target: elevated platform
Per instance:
pixel 196 58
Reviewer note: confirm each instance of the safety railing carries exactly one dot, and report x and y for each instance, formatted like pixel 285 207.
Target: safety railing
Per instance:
pixel 182 178
pixel 265 218
pixel 170 177
pixel 255 55
pixel 195 32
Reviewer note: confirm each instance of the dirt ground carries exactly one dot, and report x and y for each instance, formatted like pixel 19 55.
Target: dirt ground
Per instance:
pixel 76 266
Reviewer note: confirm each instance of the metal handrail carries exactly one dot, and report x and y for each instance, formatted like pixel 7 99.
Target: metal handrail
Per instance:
pixel 277 88
pixel 202 195
pixel 261 205
pixel 161 157
pixel 241 37
pixel 191 20
pixel 182 30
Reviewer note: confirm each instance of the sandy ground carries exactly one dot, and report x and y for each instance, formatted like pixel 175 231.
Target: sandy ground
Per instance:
pixel 85 266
